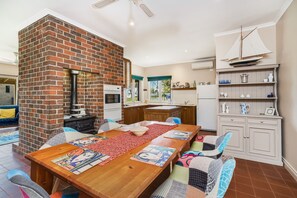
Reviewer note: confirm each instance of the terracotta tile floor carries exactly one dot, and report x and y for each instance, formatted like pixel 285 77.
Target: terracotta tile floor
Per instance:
pixel 251 179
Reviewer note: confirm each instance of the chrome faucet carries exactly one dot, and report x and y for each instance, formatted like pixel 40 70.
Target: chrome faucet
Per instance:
pixel 186 102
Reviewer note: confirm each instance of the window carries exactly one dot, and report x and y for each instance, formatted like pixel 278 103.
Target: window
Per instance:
pixel 136 90
pixel 7 89
pixel 160 88
pixel 133 93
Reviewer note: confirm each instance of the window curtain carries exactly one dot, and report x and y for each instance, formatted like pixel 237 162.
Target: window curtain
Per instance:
pixel 157 78
pixel 135 77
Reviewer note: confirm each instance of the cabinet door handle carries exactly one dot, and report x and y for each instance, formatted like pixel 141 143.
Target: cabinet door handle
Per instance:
pixel 247 137
pixel 232 120
pixel 261 122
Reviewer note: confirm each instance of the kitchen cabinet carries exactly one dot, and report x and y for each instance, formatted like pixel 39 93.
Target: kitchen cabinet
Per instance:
pixel 161 113
pixel 188 115
pixel 136 114
pixel 237 143
pixel 131 115
pixel 256 138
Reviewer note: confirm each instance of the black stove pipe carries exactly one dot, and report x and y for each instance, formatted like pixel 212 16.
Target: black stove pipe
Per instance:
pixel 73 99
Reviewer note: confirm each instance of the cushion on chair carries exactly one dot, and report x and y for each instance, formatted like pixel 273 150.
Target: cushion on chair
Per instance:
pixel 7 113
pixel 69 129
pixel 204 177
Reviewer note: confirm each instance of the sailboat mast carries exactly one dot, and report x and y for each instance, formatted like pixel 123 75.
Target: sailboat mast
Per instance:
pixel 241 43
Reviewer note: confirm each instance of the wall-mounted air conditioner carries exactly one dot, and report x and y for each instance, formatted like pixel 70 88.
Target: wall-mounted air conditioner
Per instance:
pixel 202 65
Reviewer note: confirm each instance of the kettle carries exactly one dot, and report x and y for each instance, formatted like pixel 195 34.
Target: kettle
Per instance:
pixel 245 108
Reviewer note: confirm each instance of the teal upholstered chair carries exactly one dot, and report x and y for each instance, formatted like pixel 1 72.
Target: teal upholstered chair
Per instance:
pixel 205 177
pixel 30 189
pixel 175 120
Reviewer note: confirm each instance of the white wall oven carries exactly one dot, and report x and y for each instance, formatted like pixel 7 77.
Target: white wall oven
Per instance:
pixel 112 102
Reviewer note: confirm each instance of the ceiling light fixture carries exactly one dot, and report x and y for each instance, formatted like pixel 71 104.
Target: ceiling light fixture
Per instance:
pixel 131 23
pixel 186 51
pixel 131 20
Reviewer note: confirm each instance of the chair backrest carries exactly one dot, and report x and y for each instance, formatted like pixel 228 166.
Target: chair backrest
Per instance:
pixel 27 186
pixel 108 124
pixel 66 134
pixel 210 145
pixel 175 120
pixel 205 177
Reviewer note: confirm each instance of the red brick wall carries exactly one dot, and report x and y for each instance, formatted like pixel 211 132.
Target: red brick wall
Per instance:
pixel 47 48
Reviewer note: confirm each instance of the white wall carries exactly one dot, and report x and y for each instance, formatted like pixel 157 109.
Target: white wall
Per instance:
pixel 138 70
pixel 225 41
pixel 287 48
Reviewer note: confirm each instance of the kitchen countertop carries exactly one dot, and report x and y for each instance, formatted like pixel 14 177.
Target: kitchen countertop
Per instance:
pixel 157 104
pixel 163 108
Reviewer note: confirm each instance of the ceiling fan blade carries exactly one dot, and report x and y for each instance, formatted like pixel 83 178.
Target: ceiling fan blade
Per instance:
pixel 103 3
pixel 146 10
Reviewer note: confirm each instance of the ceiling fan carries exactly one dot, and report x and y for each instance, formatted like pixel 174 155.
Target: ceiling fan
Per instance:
pixel 139 3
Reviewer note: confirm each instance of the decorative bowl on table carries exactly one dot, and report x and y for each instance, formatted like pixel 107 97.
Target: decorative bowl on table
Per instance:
pixel 139 130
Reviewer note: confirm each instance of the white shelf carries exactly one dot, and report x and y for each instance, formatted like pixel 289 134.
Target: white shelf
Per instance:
pixel 249 115
pixel 248 84
pixel 272 98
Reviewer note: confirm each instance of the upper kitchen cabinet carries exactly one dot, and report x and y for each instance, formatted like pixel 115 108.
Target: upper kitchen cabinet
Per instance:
pixel 127 73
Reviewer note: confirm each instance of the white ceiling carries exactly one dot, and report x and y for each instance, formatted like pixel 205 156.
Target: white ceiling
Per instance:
pixel 178 25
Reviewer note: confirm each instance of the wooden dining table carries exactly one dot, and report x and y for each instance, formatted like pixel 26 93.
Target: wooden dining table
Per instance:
pixel 121 177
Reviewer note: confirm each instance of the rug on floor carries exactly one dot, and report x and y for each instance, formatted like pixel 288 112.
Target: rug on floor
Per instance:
pixel 9 137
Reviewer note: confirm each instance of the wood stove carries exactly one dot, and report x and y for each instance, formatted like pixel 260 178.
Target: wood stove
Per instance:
pixel 84 124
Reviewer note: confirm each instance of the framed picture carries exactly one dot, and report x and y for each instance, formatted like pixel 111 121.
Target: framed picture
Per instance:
pixel 270 111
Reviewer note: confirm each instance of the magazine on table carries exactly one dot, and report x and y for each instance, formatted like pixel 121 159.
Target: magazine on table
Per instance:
pixel 80 160
pixel 87 140
pixel 177 134
pixel 153 154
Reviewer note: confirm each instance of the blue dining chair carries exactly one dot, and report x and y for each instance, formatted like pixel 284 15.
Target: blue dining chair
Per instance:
pixel 30 189
pixel 175 120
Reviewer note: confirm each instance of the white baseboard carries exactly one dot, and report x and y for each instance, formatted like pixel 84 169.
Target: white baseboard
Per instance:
pixel 290 168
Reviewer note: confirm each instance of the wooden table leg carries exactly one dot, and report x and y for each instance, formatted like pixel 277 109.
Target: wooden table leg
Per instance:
pixel 42 177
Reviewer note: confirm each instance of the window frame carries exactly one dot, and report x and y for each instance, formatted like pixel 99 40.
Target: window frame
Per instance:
pixel 160 88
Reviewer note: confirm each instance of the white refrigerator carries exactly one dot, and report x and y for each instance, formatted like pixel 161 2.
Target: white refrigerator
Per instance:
pixel 207 107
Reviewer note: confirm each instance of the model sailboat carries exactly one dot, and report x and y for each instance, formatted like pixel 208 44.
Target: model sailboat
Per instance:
pixel 247 50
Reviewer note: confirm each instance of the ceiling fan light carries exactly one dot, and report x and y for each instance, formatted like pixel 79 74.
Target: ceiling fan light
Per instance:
pixel 103 3
pixel 131 23
pixel 145 9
